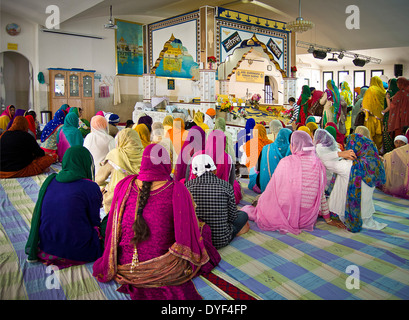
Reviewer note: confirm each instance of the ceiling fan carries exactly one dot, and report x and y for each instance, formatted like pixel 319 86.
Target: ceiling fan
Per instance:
pixel 110 24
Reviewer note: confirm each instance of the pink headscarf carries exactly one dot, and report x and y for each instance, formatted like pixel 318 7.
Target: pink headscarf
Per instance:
pixel 188 241
pixel 195 142
pixel 155 165
pixel 215 148
pixel 280 206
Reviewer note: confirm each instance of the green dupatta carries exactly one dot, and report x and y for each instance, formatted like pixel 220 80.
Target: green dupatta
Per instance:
pixel 77 164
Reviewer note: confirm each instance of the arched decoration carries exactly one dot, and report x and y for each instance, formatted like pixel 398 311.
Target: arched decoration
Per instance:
pixel 162 53
pixel 265 50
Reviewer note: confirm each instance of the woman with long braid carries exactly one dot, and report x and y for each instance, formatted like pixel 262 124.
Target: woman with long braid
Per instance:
pixel 154 243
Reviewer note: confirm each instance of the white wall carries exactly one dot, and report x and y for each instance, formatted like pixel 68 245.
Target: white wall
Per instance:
pixel 26 42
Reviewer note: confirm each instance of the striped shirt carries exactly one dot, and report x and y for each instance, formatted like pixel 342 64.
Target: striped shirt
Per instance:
pixel 295 114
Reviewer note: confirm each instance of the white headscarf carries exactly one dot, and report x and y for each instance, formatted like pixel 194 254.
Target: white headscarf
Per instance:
pixel 202 163
pixel 98 141
pixel 401 138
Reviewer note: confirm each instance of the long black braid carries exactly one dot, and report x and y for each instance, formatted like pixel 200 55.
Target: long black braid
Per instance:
pixel 140 227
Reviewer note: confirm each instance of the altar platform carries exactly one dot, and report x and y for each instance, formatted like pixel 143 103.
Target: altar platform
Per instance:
pixel 263 114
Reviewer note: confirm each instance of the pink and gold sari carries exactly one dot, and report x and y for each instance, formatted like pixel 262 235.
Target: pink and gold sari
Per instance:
pixel 185 257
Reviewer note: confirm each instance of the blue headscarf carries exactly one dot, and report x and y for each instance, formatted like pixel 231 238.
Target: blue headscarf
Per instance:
pixel 272 154
pixel 53 124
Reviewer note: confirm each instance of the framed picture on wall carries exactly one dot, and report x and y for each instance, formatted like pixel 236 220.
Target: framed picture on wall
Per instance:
pixel 326 76
pixel 171 84
pixel 129 48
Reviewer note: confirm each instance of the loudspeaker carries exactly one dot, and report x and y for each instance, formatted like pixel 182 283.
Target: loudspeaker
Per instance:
pixel 359 62
pixel 398 70
pixel 318 54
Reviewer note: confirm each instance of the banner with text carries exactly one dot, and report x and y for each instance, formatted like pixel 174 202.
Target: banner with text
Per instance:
pixel 249 76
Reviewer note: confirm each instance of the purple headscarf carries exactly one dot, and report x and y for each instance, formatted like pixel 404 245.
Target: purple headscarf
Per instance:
pixel 301 143
pixel 19 112
pixel 325 139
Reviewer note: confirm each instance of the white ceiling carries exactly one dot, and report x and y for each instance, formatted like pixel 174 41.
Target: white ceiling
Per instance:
pixel 383 24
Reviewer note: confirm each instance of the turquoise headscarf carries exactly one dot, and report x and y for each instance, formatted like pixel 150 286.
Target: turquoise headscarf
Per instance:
pixel 272 154
pixel 71 131
pixel 336 96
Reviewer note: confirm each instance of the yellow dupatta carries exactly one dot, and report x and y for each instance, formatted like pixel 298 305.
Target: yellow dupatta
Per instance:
pixel 374 98
pixel 126 158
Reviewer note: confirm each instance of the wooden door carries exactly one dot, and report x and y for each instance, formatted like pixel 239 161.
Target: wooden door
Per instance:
pixel 58 89
pixel 74 89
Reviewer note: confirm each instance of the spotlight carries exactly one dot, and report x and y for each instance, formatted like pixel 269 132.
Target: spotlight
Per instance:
pixel 318 54
pixel 359 62
pixel 311 49
pixel 333 58
pixel 341 55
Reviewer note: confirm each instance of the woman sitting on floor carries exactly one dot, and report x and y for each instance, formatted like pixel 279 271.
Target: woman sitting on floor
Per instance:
pixel 158 135
pixel 271 155
pixel 125 159
pixel 225 167
pixel 294 197
pixel 397 172
pixel 144 133
pixel 253 149
pixel 274 128
pixel 154 242
pixel 356 176
pixel 21 156
pixel 68 135
pixel 49 134
pixel 98 141
pixel 65 224
pixel 220 124
pixel 6 117
pixel 177 134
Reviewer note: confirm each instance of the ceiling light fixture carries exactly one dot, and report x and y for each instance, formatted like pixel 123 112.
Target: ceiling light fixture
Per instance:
pixel 359 62
pixel 333 58
pixel 300 25
pixel 311 47
pixel 318 54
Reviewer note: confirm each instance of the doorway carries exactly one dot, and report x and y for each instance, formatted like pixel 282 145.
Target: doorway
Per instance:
pixel 16 81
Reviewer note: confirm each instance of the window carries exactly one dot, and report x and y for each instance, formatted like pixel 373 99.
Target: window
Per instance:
pixel 268 92
pixel 341 76
pixel 376 73
pixel 326 76
pixel 359 79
